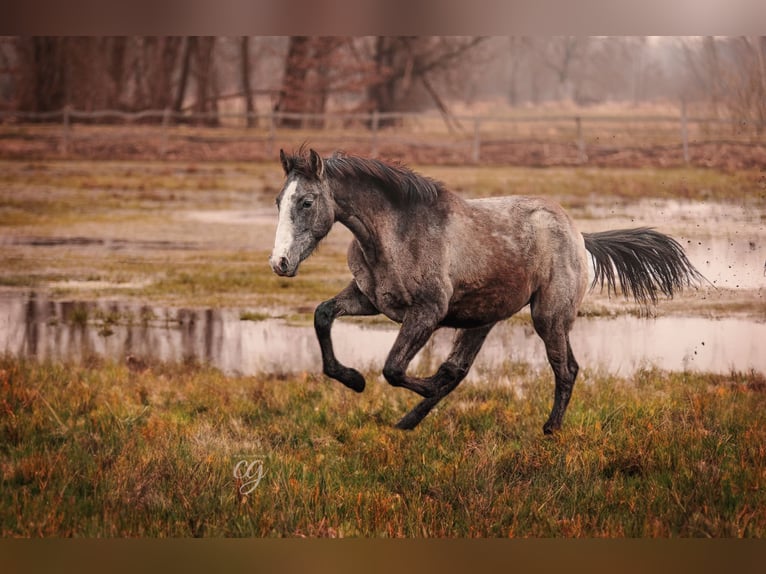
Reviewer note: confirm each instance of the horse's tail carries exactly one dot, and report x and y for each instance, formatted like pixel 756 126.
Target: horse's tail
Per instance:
pixel 646 261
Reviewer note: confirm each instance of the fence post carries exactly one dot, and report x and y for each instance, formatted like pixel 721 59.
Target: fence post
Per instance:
pixel 374 123
pixel 65 112
pixel 684 131
pixel 476 154
pixel 582 156
pixel 165 128
pixel 272 133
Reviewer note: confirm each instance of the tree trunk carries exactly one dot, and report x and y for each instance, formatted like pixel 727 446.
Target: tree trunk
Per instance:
pixel 206 103
pixel 381 94
pixel 247 90
pixel 514 60
pixel 43 80
pixel 404 62
pixel 319 82
pixel 189 47
pixel 116 70
pixel 167 58
pixel 293 97
pixel 760 50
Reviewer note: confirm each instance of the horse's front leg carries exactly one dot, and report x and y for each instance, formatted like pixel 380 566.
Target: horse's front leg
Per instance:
pixel 350 301
pixel 468 342
pixel 417 327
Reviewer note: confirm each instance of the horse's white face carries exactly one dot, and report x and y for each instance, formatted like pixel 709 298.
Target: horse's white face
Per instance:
pixel 305 217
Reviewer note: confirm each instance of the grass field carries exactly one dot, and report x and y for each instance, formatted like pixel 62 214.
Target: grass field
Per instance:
pixel 100 450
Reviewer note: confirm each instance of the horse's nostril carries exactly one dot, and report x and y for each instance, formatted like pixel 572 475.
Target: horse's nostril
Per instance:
pixel 283 264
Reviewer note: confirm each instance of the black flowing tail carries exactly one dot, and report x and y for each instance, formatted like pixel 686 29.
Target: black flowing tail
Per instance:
pixel 646 262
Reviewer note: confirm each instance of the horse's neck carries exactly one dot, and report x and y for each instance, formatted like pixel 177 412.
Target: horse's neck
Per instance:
pixel 368 215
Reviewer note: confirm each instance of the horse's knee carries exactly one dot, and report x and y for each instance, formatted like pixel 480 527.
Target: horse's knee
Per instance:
pixel 324 314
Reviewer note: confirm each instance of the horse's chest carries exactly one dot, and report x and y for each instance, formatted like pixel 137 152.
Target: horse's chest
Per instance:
pixel 388 300
pixel 383 289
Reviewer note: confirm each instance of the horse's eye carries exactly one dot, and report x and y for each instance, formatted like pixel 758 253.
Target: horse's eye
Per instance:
pixel 308 202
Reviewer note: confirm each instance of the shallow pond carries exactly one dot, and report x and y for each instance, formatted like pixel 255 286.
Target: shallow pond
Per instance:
pixel 59 330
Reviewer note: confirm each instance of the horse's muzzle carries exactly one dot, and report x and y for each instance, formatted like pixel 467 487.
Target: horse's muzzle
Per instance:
pixel 281 266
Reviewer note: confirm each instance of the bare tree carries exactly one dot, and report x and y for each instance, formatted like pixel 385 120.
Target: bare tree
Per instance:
pixel 60 71
pixel 188 48
pixel 516 49
pixel 244 59
pixel 317 68
pixel 562 55
pixel 293 97
pixel 750 83
pixel 206 102
pixel 43 83
pixel 154 62
pixel 702 68
pixel 404 63
pixel 730 74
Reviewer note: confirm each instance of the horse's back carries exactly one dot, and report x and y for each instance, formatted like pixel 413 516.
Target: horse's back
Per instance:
pixel 536 226
pixel 516 245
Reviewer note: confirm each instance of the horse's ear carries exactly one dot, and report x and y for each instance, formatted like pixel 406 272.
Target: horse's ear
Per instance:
pixel 316 163
pixel 287 163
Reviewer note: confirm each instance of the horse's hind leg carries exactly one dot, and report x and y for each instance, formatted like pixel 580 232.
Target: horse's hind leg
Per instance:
pixel 468 342
pixel 350 301
pixel 553 329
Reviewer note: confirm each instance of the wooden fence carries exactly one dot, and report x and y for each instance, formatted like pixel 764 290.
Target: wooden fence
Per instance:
pixel 465 137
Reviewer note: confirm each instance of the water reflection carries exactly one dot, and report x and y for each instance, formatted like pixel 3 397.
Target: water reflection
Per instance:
pixel 65 330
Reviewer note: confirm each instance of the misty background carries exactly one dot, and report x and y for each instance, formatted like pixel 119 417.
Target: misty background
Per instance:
pixel 718 76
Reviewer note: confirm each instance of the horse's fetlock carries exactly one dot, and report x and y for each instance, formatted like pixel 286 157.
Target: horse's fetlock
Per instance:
pixel 394 375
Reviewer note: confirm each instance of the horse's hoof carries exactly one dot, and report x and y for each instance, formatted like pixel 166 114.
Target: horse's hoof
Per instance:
pixel 406 423
pixel 353 379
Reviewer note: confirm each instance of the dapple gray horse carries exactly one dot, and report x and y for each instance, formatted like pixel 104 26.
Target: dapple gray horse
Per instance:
pixel 427 258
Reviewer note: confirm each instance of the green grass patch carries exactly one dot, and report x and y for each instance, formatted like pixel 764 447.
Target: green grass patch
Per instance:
pixel 254 316
pixel 96 449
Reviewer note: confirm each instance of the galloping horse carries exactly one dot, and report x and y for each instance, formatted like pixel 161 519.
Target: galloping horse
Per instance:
pixel 427 258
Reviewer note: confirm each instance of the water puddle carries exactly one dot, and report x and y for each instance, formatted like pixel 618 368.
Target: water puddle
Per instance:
pixel 106 243
pixel 69 330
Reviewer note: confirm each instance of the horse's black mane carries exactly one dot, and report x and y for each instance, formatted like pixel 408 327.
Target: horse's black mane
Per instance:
pixel 399 183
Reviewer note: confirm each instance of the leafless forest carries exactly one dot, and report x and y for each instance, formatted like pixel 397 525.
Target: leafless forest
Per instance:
pixel 605 101
pixel 726 75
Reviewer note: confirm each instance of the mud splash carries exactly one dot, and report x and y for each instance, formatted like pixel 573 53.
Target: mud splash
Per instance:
pixel 725 241
pixel 71 330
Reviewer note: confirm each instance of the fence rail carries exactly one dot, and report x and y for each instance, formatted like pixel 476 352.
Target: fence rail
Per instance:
pixel 466 138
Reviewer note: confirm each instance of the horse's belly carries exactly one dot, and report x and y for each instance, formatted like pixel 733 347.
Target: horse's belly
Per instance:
pixel 474 308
